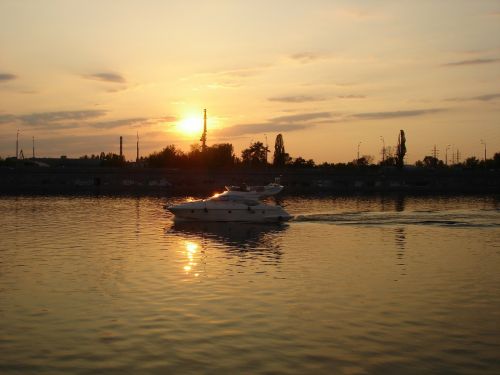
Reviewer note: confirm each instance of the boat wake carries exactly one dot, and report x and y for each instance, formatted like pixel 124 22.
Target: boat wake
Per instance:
pixel 469 218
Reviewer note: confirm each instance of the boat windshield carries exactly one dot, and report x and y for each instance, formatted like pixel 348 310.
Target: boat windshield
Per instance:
pixel 234 198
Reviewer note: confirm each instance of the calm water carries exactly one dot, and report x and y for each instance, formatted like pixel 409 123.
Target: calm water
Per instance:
pixel 352 285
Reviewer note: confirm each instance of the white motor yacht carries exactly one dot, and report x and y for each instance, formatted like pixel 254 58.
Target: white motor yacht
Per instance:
pixel 237 203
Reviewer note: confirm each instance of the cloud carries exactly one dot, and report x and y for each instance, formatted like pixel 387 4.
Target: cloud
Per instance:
pixel 4 77
pixel 106 77
pixel 483 98
pixel 351 96
pixel 303 117
pixel 41 118
pixel 472 62
pixel 394 114
pixel 307 57
pixel 296 99
pixel 487 97
pixel 7 119
pixel 111 124
pixel 168 119
pixel 79 119
pixel 277 124
pixel 238 130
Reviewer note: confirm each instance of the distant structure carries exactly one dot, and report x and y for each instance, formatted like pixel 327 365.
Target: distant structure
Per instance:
pixel 137 157
pixel 203 138
pixel 33 147
pixel 435 152
pixel 17 144
pixel 121 146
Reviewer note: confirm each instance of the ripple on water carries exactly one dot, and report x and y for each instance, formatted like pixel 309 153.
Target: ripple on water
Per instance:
pixel 352 285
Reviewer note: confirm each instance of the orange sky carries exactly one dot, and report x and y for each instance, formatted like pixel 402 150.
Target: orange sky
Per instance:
pixel 326 74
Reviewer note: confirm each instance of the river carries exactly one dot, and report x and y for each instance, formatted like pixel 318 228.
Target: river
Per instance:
pixel 352 285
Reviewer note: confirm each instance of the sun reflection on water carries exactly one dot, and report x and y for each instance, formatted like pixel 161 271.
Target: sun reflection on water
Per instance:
pixel 191 250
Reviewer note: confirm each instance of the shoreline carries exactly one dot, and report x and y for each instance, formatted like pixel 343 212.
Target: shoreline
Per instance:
pixel 154 181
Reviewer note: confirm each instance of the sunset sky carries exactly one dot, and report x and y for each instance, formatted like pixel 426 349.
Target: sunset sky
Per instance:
pixel 327 74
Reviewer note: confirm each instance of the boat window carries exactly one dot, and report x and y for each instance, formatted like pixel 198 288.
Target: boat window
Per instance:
pixel 251 203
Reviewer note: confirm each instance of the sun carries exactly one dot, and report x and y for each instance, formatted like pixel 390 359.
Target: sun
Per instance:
pixel 190 125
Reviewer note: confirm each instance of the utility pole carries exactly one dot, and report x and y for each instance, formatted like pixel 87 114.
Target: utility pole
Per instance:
pixel 33 147
pixel 137 157
pixel 383 148
pixel 359 144
pixel 446 154
pixel 17 144
pixel 484 143
pixel 267 149
pixel 203 138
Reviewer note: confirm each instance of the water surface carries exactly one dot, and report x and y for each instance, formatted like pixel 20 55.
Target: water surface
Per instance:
pixel 352 285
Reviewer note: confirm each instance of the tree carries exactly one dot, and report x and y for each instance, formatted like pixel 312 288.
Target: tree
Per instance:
pixel 389 161
pixel 401 151
pixel 168 157
pixel 255 155
pixel 280 156
pixel 432 162
pixel 219 155
pixel 471 162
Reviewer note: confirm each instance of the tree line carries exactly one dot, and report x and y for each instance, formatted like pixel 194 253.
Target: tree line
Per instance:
pixel 257 155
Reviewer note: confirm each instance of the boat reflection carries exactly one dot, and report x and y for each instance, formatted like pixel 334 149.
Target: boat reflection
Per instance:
pixel 243 236
pixel 245 242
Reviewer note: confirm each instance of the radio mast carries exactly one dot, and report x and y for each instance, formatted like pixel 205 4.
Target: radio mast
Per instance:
pixel 203 138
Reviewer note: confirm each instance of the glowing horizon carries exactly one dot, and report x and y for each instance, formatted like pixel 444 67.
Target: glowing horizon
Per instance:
pixel 325 74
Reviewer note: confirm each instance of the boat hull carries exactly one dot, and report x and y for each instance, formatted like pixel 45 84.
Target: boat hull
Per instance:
pixel 263 213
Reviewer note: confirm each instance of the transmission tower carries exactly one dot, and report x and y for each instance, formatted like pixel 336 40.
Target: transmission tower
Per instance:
pixel 203 138
pixel 435 152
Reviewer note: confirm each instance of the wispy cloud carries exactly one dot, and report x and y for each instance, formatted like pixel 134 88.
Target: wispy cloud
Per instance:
pixel 246 129
pixel 106 77
pixel 4 77
pixel 483 98
pixel 307 57
pixel 38 118
pixel 352 96
pixel 395 114
pixel 296 99
pixel 355 14
pixel 277 124
pixel 302 117
pixel 111 124
pixel 473 62
pixel 79 119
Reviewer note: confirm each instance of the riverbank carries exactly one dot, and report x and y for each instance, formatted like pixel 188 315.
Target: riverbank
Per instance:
pixel 302 181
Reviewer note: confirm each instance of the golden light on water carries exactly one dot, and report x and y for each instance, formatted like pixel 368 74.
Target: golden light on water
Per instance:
pixel 191 250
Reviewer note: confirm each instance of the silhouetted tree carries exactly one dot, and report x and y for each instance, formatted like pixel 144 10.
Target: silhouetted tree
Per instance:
pixel 168 157
pixel 401 151
pixel 255 155
pixel 431 162
pixel 220 155
pixel 112 160
pixel 280 156
pixel 389 161
pixel 471 162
